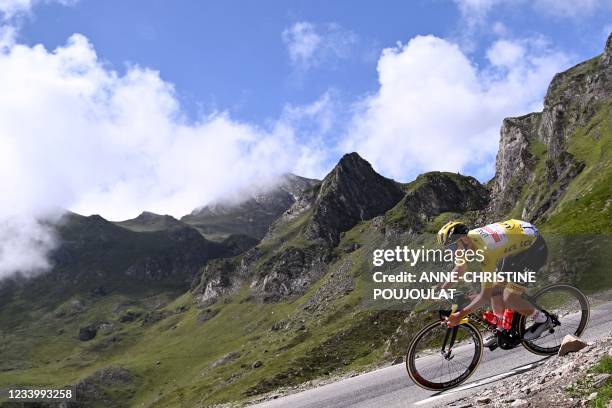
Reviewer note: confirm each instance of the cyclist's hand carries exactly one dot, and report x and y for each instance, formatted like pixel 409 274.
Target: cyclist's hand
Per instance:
pixel 453 320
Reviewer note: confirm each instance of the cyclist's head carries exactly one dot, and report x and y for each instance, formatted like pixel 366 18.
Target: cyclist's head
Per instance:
pixel 451 232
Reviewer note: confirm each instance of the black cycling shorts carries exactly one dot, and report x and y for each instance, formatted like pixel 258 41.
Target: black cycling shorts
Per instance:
pixel 532 259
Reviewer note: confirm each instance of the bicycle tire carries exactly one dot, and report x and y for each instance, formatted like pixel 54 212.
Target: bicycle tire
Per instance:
pixel 584 319
pixel 429 385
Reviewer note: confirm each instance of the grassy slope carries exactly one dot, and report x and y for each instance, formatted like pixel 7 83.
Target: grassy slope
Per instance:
pixel 589 196
pixel 185 347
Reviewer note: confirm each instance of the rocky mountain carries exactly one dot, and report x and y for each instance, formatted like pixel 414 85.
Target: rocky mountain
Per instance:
pixel 293 306
pixel 541 153
pixel 92 242
pixel 300 244
pixel 250 212
pixel 148 221
pixel 350 193
pixel 435 193
pixel 232 244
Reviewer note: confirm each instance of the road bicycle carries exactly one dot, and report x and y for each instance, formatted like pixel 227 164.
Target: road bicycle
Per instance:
pixel 440 357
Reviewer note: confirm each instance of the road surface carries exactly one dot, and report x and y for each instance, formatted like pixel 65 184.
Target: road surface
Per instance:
pixel 391 386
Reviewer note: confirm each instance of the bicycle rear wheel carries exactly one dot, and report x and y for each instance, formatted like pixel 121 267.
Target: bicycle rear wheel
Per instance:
pixel 427 365
pixel 568 306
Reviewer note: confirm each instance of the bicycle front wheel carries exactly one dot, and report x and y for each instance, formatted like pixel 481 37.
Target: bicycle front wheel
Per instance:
pixel 433 369
pixel 569 308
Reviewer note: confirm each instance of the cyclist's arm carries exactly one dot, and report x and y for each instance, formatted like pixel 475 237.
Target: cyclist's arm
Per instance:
pixel 460 270
pixel 479 300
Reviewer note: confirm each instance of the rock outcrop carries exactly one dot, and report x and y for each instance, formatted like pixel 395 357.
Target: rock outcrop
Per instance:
pixel 107 387
pixel 434 193
pixel 221 277
pixel 533 149
pixel 352 192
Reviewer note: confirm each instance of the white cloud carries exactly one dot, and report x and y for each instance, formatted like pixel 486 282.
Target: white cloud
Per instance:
pixel 437 110
pixel 10 9
pixel 506 53
pixel 476 12
pixel 571 8
pixel 25 242
pixel 302 42
pixel 500 29
pixel 74 134
pixel 310 45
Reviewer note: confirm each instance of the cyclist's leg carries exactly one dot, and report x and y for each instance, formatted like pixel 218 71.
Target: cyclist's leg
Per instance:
pixel 532 259
pixel 513 298
pixel 497 301
pixel 497 304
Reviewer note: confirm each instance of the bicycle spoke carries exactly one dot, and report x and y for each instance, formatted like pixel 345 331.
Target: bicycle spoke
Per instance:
pixel 433 368
pixel 570 308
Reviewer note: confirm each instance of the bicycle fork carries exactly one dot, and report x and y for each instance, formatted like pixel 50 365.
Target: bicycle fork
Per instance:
pixel 449 338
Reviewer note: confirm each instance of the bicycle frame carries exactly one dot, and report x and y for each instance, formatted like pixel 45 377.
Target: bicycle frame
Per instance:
pixel 451 333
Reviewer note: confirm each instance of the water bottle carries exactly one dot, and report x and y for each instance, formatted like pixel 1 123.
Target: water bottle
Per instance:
pixel 490 317
pixel 508 315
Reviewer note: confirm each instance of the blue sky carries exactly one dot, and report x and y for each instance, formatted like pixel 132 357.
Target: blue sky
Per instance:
pixel 115 107
pixel 229 55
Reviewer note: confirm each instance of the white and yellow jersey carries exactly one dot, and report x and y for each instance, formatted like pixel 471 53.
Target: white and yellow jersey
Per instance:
pixel 502 239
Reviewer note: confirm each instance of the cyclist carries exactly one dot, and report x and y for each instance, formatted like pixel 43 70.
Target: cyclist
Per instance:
pixel 508 246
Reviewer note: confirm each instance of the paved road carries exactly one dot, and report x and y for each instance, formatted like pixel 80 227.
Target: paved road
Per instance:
pixel 391 386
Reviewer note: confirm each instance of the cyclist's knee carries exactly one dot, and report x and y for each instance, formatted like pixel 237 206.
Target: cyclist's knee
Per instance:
pixel 508 295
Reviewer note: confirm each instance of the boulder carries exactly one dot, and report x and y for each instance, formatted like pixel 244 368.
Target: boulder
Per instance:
pixel 226 359
pixel 87 333
pixel 207 314
pixel 600 380
pixel 571 344
pixel 520 403
pixel 129 316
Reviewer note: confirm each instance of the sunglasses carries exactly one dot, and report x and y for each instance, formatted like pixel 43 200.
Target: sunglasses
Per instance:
pixel 453 247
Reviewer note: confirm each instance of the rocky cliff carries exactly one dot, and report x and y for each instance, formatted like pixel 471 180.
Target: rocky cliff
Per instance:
pixel 535 161
pixel 350 193
pixel 435 193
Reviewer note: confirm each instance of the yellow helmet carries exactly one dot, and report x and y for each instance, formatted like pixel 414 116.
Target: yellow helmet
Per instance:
pixel 451 231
